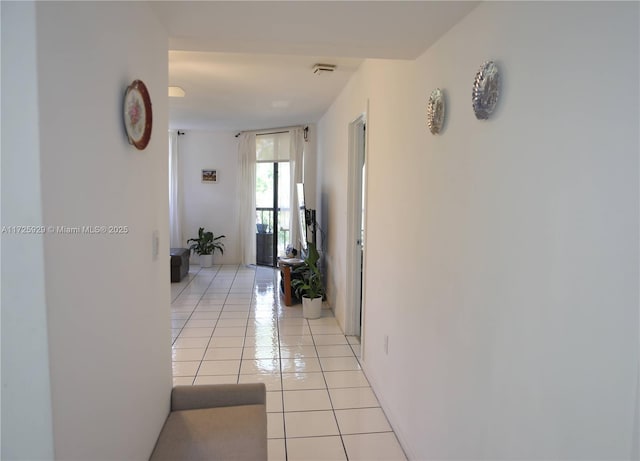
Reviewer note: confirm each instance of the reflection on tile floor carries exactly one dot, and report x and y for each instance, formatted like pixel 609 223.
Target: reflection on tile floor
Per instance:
pixel 230 326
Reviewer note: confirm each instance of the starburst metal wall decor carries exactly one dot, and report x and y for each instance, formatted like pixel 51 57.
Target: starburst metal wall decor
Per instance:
pixel 486 90
pixel 435 111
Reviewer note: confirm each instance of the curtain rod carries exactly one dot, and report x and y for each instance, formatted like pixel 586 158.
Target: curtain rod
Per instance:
pixel 272 132
pixel 282 129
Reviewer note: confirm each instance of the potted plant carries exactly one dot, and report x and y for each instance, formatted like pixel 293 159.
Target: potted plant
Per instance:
pixel 205 245
pixel 309 286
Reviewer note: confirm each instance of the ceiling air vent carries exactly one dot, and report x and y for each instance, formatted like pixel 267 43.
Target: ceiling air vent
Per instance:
pixel 321 68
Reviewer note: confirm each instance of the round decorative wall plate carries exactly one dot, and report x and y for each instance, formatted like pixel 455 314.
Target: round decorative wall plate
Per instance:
pixel 138 118
pixel 486 89
pixel 435 111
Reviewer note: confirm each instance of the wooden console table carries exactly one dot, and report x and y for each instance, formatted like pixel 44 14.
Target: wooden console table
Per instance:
pixel 285 266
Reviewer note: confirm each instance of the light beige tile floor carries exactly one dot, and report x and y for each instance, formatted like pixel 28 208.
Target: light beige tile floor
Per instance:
pixel 229 325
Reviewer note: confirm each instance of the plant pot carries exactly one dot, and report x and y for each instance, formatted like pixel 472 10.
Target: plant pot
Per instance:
pixel 311 308
pixel 206 260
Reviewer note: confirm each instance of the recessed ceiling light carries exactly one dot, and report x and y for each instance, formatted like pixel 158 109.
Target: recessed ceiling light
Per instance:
pixel 280 104
pixel 176 92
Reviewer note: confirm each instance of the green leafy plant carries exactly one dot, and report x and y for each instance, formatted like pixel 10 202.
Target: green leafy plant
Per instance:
pixel 310 282
pixel 206 243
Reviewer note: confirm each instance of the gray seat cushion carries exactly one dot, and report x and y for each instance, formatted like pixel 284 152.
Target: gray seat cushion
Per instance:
pixel 179 256
pixel 225 433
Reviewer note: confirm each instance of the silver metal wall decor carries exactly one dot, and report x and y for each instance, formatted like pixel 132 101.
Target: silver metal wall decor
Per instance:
pixel 435 111
pixel 486 89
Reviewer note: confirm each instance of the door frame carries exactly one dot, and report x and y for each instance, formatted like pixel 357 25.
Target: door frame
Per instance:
pixel 356 220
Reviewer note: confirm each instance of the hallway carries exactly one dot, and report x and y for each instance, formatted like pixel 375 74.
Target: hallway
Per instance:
pixel 229 326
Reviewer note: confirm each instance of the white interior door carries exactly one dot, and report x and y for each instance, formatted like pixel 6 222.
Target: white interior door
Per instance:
pixel 356 226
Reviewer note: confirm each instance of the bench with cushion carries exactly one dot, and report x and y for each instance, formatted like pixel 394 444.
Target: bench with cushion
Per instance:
pixel 179 263
pixel 211 422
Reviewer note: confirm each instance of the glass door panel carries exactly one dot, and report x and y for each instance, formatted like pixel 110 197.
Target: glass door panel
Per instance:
pixel 273 210
pixel 265 216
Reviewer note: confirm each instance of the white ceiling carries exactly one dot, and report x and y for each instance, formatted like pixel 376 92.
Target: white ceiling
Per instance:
pixel 247 64
pixel 251 91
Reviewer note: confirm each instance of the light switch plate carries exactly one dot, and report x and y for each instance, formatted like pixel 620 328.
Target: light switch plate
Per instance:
pixel 155 245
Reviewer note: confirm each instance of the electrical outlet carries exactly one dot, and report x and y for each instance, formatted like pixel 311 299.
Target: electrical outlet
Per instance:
pixel 386 344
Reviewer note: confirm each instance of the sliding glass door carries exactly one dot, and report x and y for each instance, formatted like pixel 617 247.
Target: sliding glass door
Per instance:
pixel 273 208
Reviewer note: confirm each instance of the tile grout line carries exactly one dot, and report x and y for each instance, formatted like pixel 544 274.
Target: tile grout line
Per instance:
pixel 276 314
pixel 199 299
pixel 186 321
pixel 284 420
pixel 214 328
pixel 194 307
pixel 333 410
pixel 244 339
pixel 190 314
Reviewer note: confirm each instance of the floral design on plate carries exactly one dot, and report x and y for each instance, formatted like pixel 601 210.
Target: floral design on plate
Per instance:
pixel 486 89
pixel 138 118
pixel 435 111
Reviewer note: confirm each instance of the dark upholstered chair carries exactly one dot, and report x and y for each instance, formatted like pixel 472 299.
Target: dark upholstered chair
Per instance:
pixel 179 263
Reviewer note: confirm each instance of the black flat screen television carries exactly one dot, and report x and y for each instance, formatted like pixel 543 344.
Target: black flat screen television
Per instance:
pixel 302 213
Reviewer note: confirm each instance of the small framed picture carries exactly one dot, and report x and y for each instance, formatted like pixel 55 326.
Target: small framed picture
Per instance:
pixel 210 176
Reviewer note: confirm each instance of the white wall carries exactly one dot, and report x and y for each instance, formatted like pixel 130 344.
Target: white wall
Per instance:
pixel 333 165
pixel 27 429
pixel 502 255
pixel 106 296
pixel 215 206
pixel 212 206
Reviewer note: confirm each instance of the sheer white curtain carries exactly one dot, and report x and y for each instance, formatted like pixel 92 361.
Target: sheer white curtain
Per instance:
pixel 175 225
pixel 247 195
pixel 296 157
